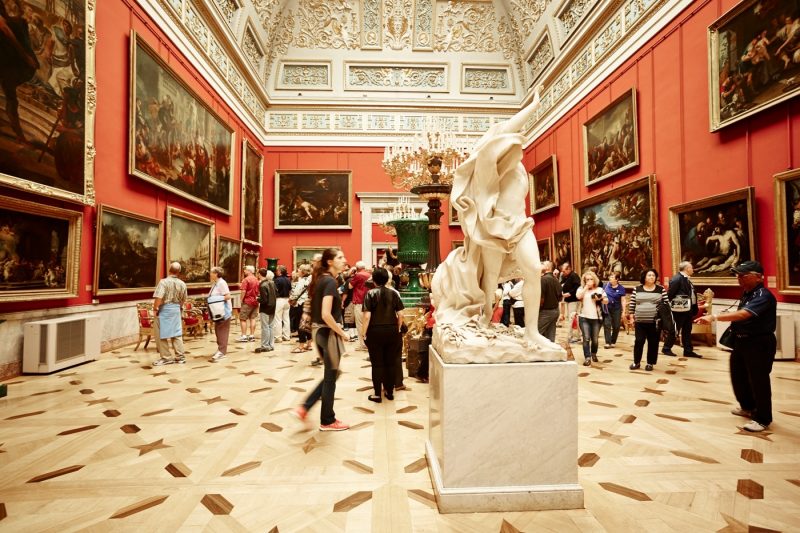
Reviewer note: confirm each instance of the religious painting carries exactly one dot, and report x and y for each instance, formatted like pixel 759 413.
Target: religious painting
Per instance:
pixel 190 242
pixel 617 231
pixel 252 178
pixel 544 186
pixel 229 258
pixel 47 111
pixel 714 234
pixel 39 251
pixel 562 247
pixel 177 142
pixel 610 140
pixel 127 254
pixel 302 255
pixel 544 249
pixel 754 59
pixel 452 217
pixel 249 258
pixel 456 244
pixel 787 222
pixel 313 199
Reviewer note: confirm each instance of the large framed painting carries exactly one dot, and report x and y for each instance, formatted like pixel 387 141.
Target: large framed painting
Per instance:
pixel 190 241
pixel 313 199
pixel 787 222
pixel 714 234
pixel 544 185
pixel 304 254
pixel 753 59
pixel 47 111
pixel 176 140
pixel 249 258
pixel 39 251
pixel 617 231
pixel 252 179
pixel 610 140
pixel 229 258
pixel 127 255
pixel 545 247
pixel 562 247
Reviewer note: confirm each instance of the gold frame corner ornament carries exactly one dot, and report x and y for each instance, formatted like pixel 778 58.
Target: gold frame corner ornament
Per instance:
pixel 782 180
pixel 260 192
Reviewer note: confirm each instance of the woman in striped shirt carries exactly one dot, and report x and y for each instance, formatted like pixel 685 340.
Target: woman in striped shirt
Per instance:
pixel 643 308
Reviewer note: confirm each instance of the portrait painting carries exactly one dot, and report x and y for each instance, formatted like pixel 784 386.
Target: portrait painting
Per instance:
pixel 787 222
pixel 249 258
pixel 127 252
pixel 313 199
pixel 229 258
pixel 176 141
pixel 617 231
pixel 46 126
pixel 302 255
pixel 452 217
pixel 544 249
pixel 562 247
pixel 714 234
pixel 252 178
pixel 39 251
pixel 544 186
pixel 190 241
pixel 610 140
pixel 754 59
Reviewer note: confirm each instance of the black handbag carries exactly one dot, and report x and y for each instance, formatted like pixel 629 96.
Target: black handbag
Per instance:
pixel 726 339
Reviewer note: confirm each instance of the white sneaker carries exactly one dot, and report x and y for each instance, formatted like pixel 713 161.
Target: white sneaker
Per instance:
pixel 217 357
pixel 243 338
pixel 742 412
pixel 162 361
pixel 754 426
pixel 251 338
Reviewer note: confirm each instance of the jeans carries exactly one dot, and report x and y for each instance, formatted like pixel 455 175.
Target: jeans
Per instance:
pixel 751 364
pixel 590 329
pixel 611 324
pixel 266 330
pixel 326 388
pixel 505 319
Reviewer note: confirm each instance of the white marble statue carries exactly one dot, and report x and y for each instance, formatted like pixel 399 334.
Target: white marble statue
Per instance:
pixel 489 193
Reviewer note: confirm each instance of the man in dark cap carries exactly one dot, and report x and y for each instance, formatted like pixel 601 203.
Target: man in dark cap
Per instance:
pixel 754 344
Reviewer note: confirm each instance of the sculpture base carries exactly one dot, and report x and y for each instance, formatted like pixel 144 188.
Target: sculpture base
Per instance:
pixel 503 437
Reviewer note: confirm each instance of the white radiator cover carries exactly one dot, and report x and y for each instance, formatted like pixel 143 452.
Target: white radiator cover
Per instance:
pixel 52 345
pixel 784 332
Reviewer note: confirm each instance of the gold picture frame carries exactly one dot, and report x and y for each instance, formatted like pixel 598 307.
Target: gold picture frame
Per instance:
pixel 611 140
pixel 229 258
pixel 190 241
pixel 249 258
pixel 787 223
pixel 545 247
pixel 303 254
pixel 313 199
pixel 46 238
pixel 252 191
pixel 190 168
pixel 562 248
pixel 543 183
pixel 127 255
pixel 452 216
pixel 630 215
pixel 714 234
pixel 24 165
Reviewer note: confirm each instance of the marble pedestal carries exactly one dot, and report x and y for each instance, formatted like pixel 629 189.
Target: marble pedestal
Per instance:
pixel 503 437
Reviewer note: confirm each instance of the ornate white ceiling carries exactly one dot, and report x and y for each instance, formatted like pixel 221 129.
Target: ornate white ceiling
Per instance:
pixel 375 68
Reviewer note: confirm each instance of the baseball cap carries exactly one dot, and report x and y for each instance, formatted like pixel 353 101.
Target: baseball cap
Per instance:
pixel 748 266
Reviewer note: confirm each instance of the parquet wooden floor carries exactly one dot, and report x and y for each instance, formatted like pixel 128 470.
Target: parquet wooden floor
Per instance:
pixel 117 445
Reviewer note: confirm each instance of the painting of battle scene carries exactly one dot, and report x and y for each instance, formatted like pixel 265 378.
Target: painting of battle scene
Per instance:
pixel 311 199
pixel 229 257
pixel 252 164
pixel 177 142
pixel 562 247
pixel 127 254
pixel 787 216
pixel 617 231
pixel 544 186
pixel 715 234
pixel 610 140
pixel 44 123
pixel 190 240
pixel 754 59
pixel 39 251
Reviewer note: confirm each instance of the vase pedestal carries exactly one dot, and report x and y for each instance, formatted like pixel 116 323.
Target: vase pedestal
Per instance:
pixel 503 437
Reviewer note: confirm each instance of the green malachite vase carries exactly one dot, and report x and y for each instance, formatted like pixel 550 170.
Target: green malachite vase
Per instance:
pixel 412 245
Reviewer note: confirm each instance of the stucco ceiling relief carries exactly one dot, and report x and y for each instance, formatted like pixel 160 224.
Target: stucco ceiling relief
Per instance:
pixel 398 23
pixel 541 57
pixel 466 27
pixel 328 24
pixel 422 78
pixel 371 18
pixel 527 13
pixel 423 25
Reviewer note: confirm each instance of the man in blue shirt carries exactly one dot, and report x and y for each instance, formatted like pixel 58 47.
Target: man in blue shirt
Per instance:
pixel 754 345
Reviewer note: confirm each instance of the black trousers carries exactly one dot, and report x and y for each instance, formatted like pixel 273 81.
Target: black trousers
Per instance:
pixel 751 365
pixel 385 345
pixel 646 332
pixel 683 325
pixel 519 316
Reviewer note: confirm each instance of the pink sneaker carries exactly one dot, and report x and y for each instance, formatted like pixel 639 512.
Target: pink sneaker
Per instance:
pixel 337 425
pixel 300 413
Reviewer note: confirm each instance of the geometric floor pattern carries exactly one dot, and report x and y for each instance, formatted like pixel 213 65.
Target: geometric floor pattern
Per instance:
pixel 117 445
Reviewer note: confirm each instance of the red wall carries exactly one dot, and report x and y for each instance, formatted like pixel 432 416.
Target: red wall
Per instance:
pixel 670 74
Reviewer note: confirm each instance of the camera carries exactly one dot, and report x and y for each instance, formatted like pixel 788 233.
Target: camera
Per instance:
pixel 597 296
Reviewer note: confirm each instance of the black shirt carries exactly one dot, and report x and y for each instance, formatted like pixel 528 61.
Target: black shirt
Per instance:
pixel 284 286
pixel 571 284
pixel 383 303
pixel 325 286
pixel 551 292
pixel 763 308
